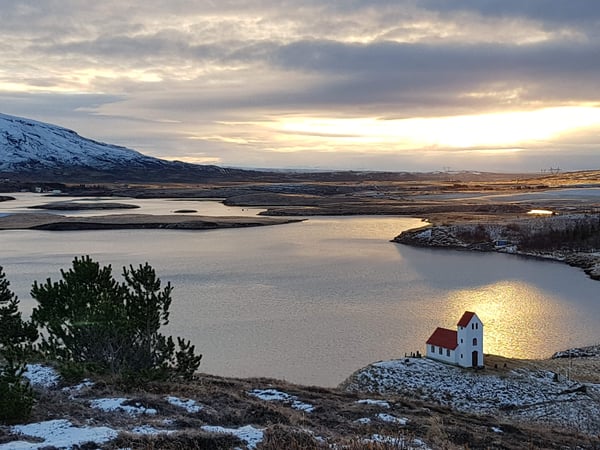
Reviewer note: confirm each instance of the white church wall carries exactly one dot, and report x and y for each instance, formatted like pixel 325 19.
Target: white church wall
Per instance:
pixel 441 354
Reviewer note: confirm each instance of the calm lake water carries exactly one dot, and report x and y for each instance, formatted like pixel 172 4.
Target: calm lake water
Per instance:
pixel 311 302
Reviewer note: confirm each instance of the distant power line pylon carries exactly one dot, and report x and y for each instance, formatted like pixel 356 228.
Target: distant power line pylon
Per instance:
pixel 551 170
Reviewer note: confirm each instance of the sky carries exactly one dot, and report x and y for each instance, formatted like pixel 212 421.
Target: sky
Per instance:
pixel 402 85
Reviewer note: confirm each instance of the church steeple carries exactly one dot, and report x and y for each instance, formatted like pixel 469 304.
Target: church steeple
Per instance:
pixel 470 341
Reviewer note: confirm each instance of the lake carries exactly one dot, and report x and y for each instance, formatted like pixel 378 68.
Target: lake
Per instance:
pixel 311 302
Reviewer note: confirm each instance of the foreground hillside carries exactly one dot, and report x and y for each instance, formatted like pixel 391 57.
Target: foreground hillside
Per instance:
pixel 404 404
pixel 511 390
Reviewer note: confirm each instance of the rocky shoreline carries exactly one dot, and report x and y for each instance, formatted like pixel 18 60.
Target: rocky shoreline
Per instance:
pixel 507 237
pixel 592 351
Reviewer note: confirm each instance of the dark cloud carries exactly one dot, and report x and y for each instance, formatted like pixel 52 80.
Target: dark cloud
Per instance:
pixel 48 105
pixel 416 74
pixel 424 59
pixel 546 10
pixel 368 76
pixel 149 51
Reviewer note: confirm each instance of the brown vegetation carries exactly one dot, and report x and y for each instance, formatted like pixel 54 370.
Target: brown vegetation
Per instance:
pixel 334 421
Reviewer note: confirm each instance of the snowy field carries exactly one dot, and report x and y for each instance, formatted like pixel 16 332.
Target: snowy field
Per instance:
pixel 531 395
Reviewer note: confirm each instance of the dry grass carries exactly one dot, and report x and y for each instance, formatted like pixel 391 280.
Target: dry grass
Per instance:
pixel 334 421
pixel 583 370
pixel 192 440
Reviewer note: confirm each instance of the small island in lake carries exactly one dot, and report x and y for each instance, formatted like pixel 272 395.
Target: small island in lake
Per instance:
pixel 54 222
pixel 83 206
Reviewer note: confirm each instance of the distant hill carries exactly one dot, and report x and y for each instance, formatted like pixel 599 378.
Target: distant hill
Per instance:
pixel 45 152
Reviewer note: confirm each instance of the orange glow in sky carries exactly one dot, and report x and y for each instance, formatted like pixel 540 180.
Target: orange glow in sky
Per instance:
pixel 485 130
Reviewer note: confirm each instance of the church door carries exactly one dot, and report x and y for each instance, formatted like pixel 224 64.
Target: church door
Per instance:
pixel 475 359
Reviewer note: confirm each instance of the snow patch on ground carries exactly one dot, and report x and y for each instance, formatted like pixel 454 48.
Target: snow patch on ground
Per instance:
pixel 425 234
pixel 73 391
pixel 41 376
pixel 392 419
pixel 273 395
pixel 59 434
pixel 397 442
pixel 300 406
pixel 368 401
pixel 363 420
pixel 190 406
pixel 118 404
pixel 533 395
pixel 150 430
pixel 250 435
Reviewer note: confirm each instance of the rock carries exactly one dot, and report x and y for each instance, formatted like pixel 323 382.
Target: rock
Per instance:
pixel 439 236
pixel 583 352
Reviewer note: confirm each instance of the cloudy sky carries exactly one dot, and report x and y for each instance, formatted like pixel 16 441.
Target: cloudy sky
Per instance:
pixel 500 85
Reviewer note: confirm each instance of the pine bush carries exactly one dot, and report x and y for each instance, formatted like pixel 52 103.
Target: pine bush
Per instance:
pixel 16 340
pixel 91 319
pixel 16 396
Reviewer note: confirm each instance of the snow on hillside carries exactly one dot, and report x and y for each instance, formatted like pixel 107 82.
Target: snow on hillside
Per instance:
pixel 64 434
pixel 30 145
pixel 534 395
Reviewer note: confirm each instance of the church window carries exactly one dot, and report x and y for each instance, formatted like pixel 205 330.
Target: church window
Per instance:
pixel 440 352
pixel 447 352
pixel 474 341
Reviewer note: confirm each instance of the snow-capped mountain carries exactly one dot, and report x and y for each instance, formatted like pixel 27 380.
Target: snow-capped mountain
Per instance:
pixel 33 148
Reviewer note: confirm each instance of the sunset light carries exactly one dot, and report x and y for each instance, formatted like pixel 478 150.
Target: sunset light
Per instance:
pixel 510 310
pixel 485 130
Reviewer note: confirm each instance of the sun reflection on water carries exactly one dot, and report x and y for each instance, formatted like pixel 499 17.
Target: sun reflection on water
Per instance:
pixel 519 319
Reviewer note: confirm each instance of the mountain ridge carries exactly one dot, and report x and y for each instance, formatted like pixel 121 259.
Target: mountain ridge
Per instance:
pixel 34 149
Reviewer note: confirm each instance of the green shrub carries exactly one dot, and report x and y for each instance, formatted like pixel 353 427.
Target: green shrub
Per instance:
pixel 16 340
pixel 16 396
pixel 90 319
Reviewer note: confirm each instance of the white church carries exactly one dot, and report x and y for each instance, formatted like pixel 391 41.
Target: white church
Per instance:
pixel 463 347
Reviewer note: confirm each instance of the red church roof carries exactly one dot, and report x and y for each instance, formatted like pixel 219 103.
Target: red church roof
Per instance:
pixel 465 319
pixel 445 338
